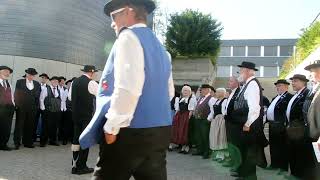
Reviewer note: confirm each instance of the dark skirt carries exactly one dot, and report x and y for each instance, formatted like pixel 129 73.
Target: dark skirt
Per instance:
pixel 180 128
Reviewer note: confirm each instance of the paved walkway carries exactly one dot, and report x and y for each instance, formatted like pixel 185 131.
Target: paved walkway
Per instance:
pixel 54 163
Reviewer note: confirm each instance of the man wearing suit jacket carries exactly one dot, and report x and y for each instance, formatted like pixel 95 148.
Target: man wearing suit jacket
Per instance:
pixel 6 107
pixel 26 97
pixel 296 126
pixel 232 128
pixel 312 116
pixel 276 116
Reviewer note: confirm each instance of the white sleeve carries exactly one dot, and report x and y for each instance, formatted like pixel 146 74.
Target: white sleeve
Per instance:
pixel 192 104
pixel 69 93
pixel 170 82
pixel 252 95
pixel 176 103
pixel 129 78
pixel 223 107
pixel 43 95
pixel 211 103
pixel 93 87
pixel 12 95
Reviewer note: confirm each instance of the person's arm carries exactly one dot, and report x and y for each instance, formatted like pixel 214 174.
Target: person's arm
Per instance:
pixel 129 78
pixel 170 82
pixel 252 95
pixel 69 92
pixel 43 95
pixel 93 87
pixel 223 107
pixel 211 114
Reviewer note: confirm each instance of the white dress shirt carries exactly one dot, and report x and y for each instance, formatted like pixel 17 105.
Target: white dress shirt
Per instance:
pixel 44 94
pixel 93 87
pixel 29 84
pixel 63 96
pixel 129 78
pixel 270 111
pixel 2 82
pixel 291 102
pixel 252 95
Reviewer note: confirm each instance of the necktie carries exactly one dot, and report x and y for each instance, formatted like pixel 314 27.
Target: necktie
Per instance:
pixel 54 92
pixel 4 84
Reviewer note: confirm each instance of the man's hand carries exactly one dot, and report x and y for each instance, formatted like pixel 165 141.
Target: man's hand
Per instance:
pixel 246 128
pixel 110 138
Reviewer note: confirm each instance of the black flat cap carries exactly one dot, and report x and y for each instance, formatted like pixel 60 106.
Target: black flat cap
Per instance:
pixel 31 71
pixel 44 75
pixel 282 81
pixel 54 78
pixel 61 77
pixel 7 68
pixel 89 68
pixel 300 77
pixel 205 86
pixel 315 64
pixel 116 4
pixel 248 65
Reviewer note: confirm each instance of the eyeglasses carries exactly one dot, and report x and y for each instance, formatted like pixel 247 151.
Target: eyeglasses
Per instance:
pixel 113 13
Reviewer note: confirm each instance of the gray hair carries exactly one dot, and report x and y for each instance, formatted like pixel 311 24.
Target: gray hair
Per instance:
pixel 141 12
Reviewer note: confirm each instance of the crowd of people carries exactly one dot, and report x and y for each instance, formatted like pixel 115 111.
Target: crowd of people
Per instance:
pixel 227 124
pixel 45 112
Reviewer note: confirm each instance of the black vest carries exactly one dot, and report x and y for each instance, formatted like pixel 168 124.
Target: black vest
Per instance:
pixel 183 106
pixel 82 100
pixel 218 108
pixel 230 107
pixel 241 108
pixel 5 95
pixel 52 103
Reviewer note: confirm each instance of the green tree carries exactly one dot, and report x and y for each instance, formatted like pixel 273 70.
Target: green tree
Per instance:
pixel 193 34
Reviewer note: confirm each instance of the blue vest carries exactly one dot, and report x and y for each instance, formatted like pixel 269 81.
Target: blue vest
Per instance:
pixel 153 109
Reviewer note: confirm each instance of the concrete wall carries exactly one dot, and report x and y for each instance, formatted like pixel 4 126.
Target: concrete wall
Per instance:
pixel 52 68
pixel 193 71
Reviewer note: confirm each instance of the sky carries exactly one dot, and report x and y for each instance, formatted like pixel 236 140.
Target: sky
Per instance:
pixel 253 19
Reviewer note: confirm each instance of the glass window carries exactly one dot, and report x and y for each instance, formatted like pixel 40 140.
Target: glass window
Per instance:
pixel 235 70
pixel 270 50
pixel 239 51
pixel 223 71
pixel 225 51
pixel 286 50
pixel 271 71
pixel 254 51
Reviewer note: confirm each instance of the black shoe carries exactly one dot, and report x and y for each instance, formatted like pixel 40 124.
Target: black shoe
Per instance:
pixel 5 148
pixel 16 147
pixel 234 174
pixel 196 154
pixel 42 145
pixel 29 146
pixel 85 170
pixel 54 144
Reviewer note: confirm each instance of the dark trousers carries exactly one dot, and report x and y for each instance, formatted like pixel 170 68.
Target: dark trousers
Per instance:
pixel 36 123
pixel 301 157
pixel 6 115
pixel 278 146
pixel 24 126
pixel 140 153
pixel 248 148
pixel 233 138
pixel 50 123
pixel 66 126
pixel 203 127
pixel 80 157
pixel 192 132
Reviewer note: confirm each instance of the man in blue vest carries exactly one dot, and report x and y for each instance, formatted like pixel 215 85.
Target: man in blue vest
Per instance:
pixel 133 103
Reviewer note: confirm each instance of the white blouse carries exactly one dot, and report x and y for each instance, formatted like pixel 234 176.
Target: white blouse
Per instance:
pixel 192 103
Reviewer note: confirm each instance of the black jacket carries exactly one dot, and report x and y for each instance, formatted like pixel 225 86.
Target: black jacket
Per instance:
pixel 296 114
pixel 26 99
pixel 281 107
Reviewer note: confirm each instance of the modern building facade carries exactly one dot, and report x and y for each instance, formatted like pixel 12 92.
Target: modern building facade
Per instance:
pixel 268 55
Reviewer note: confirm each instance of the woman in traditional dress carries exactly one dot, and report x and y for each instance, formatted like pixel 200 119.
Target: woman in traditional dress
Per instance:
pixel 218 137
pixel 185 106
